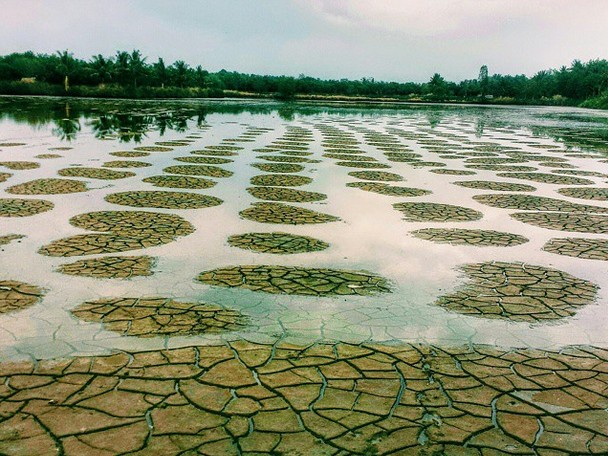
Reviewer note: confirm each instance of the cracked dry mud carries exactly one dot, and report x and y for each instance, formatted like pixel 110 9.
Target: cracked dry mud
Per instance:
pixel 278 167
pixel 20 207
pixel 380 176
pixel 389 190
pixel 284 213
pixel 548 178
pixel 522 169
pixel 163 199
pixel 50 186
pixel 129 154
pixel 158 316
pixel 436 212
pixel 20 165
pixel 496 186
pixel 296 280
pixel 7 239
pixel 279 243
pixel 95 173
pixel 289 195
pixel 195 183
pixel 126 164
pixel 590 249
pixel 119 231
pixel 280 180
pixel 215 153
pixel 598 194
pixel 536 203
pixel 453 172
pixel 204 160
pixel 15 295
pixel 110 267
pixel 576 222
pixel 322 399
pixel 362 164
pixel 519 292
pixel 198 170
pixel 481 238
pixel 153 149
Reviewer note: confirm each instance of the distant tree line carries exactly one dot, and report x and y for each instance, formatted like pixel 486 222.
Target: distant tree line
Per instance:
pixel 130 74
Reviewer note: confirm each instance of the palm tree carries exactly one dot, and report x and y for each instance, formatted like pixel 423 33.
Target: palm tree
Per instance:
pixel 122 66
pixel 137 66
pixel 181 72
pixel 102 68
pixel 66 62
pixel 160 71
pixel 201 76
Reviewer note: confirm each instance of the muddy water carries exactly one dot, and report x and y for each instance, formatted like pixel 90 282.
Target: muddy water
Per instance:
pixel 370 235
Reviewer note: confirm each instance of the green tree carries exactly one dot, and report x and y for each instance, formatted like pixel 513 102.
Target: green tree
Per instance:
pixel 438 86
pixel 122 66
pixel 101 68
pixel 137 66
pixel 201 76
pixel 160 72
pixel 181 72
pixel 483 80
pixel 65 67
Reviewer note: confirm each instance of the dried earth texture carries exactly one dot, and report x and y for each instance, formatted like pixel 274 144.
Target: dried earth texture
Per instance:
pixel 296 280
pixel 389 190
pixel 163 199
pixel 496 186
pixel 204 160
pixel 519 292
pixel 536 203
pixel 505 169
pixel 18 207
pixel 548 178
pixel 110 267
pixel 95 173
pixel 16 295
pixel 280 180
pixel 215 153
pixel 590 249
pixel 285 194
pixel 279 167
pixel 283 213
pixel 126 164
pixel 157 316
pixel 120 231
pixel 7 239
pixel 279 243
pixel 198 170
pixel 195 183
pixel 362 164
pixel 598 194
pixel 453 172
pixel 578 223
pixel 48 187
pixel 129 154
pixel 480 238
pixel 20 165
pixel 436 212
pixel 325 399
pixel 153 149
pixel 380 176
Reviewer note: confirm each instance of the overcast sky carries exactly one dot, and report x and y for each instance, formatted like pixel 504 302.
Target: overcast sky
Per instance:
pixel 386 39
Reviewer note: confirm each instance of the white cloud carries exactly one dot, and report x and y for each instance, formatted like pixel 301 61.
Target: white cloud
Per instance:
pixel 427 18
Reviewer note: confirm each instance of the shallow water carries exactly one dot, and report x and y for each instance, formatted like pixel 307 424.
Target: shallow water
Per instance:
pixel 370 236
